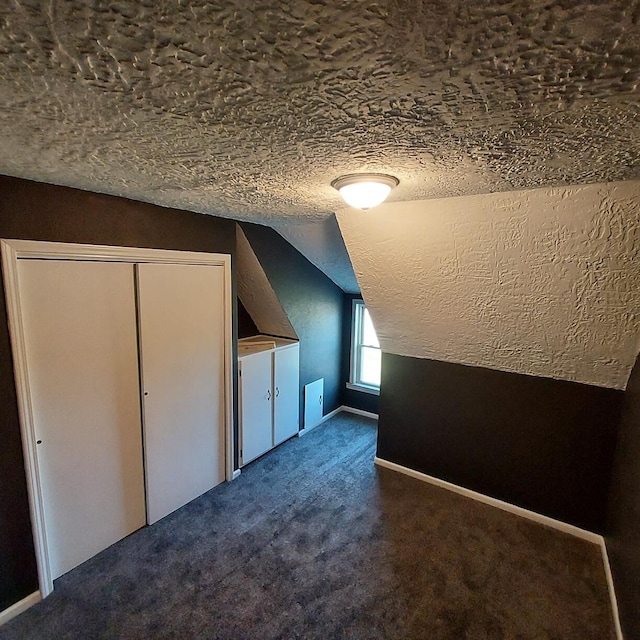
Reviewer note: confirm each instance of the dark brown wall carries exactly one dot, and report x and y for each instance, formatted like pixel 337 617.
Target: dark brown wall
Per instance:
pixel 35 211
pixel 623 539
pixel 246 325
pixel 542 444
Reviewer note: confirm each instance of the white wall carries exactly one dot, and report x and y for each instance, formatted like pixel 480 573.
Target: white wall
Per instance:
pixel 543 282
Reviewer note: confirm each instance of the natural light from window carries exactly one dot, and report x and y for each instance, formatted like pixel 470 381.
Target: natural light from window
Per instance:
pixel 365 351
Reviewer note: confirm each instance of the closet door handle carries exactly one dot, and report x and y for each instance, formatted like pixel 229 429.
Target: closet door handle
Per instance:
pixel 277 392
pixel 268 394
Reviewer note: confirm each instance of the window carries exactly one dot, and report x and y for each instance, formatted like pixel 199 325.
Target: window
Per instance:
pixel 365 351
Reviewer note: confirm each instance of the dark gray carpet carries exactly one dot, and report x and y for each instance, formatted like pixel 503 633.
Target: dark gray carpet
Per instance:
pixel 313 541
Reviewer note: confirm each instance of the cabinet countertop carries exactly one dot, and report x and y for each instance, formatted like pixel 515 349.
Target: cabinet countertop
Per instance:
pixel 259 343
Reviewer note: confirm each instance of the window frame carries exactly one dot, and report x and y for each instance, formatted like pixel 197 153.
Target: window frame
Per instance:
pixel 358 307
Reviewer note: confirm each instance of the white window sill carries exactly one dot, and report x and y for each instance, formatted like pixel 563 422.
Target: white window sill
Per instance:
pixel 361 387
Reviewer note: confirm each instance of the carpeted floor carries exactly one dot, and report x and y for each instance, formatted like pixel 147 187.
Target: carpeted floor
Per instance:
pixel 313 541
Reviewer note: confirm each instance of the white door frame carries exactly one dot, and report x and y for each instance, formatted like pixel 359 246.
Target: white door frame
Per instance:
pixel 14 250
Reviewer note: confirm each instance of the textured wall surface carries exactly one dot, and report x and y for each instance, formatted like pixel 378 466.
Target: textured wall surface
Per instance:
pixel 257 294
pixel 321 243
pixel 249 109
pixel 543 282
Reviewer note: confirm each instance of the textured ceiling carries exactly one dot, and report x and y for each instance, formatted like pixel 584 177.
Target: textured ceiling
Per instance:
pixel 249 110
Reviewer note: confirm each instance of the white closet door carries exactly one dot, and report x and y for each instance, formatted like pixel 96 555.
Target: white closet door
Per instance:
pixel 255 405
pixel 79 324
pixel 181 324
pixel 286 393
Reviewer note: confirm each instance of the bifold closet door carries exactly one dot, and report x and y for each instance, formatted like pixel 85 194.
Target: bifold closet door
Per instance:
pixel 79 323
pixel 181 324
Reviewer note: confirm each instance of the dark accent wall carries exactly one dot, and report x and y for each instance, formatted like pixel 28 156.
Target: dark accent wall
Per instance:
pixel 313 304
pixel 542 444
pixel 351 397
pixel 36 211
pixel 246 325
pixel 623 531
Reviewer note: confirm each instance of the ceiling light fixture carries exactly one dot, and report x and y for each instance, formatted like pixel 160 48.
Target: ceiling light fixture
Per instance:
pixel 365 190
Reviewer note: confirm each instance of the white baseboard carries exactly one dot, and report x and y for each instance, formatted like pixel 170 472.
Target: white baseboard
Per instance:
pixel 494 502
pixel 359 412
pixel 612 590
pixel 340 409
pixel 589 536
pixel 19 607
pixel 236 474
pixel 324 419
pixel 328 416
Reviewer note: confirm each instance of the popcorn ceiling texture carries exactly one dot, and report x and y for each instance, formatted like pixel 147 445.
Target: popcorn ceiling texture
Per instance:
pixel 249 109
pixel 543 282
pixel 256 293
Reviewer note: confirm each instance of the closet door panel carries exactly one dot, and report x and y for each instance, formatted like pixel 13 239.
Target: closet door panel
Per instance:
pixel 286 382
pixel 256 404
pixel 181 324
pixel 79 323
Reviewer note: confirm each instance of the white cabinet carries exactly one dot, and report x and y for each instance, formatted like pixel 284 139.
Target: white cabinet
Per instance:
pixel 286 392
pixel 269 388
pixel 255 405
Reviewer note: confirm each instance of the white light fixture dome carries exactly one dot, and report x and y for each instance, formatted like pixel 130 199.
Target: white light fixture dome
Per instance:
pixel 365 190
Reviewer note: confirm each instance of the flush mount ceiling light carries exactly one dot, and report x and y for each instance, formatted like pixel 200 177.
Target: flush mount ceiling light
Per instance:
pixel 365 190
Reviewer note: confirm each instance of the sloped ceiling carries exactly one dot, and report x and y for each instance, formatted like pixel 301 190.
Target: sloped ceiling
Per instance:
pixel 543 282
pixel 257 294
pixel 320 241
pixel 249 109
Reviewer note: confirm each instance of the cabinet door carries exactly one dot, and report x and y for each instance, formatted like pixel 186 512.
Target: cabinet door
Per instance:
pixel 255 405
pixel 286 393
pixel 182 361
pixel 79 322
